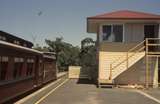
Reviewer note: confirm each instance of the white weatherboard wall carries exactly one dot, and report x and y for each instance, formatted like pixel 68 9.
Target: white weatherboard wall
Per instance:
pixel 74 71
pixel 134 32
pixel 78 72
pixel 116 52
pixel 105 59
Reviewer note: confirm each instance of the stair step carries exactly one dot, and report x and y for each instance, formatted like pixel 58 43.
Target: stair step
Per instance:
pixel 106 85
pixel 107 81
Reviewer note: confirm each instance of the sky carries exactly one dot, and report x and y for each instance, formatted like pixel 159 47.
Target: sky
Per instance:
pixel 48 19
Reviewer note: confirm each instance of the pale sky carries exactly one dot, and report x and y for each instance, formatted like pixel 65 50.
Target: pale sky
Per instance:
pixel 66 18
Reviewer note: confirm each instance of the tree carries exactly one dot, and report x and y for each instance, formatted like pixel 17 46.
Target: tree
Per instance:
pixel 88 52
pixel 55 46
pixel 39 48
pixel 66 54
pixel 87 42
pixel 88 57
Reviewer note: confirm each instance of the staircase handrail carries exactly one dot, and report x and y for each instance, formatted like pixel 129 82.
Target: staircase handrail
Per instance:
pixel 156 43
pixel 129 51
pixel 151 42
pixel 136 46
pixel 127 56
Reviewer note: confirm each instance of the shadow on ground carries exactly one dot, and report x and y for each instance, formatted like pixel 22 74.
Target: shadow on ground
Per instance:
pixel 85 81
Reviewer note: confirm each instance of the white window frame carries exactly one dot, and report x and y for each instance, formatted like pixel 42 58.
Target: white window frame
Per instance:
pixel 101 31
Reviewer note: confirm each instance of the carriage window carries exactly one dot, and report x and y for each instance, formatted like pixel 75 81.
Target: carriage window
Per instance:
pixel 25 45
pixel 40 68
pixel 30 67
pixel 3 67
pixel 2 38
pixel 16 42
pixel 113 33
pixel 18 66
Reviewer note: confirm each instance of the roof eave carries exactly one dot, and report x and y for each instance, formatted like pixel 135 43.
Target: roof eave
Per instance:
pixel 93 18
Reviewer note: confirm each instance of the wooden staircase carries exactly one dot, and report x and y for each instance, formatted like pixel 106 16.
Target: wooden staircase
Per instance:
pixel 123 66
pixel 114 63
pixel 117 63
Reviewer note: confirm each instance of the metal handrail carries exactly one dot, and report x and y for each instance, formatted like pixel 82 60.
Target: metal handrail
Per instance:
pixel 127 58
pixel 153 44
pixel 153 38
pixel 151 53
pixel 129 50
pixel 116 60
pixel 137 45
pixel 148 44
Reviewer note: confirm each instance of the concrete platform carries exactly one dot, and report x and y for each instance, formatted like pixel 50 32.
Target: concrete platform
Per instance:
pixel 84 92
pixel 153 92
pixel 35 96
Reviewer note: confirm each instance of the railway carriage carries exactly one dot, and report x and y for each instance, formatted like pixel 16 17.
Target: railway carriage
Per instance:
pixel 49 61
pixel 23 69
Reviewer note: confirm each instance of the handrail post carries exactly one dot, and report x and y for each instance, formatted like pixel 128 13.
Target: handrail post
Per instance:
pixel 110 77
pixel 127 61
pixel 147 67
pixel 146 45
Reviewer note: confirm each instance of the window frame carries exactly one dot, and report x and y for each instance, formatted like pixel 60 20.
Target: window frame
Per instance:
pixel 30 61
pixel 111 24
pixel 40 67
pixel 5 59
pixel 20 62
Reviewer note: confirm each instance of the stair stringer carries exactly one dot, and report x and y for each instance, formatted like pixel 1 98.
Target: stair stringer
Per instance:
pixel 122 67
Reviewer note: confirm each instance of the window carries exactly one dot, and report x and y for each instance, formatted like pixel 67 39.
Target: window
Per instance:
pixel 40 68
pixel 2 38
pixel 25 45
pixel 112 33
pixel 18 66
pixel 30 67
pixel 16 42
pixel 3 67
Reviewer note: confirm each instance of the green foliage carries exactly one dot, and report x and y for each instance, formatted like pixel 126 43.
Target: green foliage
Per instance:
pixel 39 48
pixel 88 52
pixel 66 53
pixel 88 57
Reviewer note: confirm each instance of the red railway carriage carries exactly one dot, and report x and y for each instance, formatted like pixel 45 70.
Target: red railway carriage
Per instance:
pixel 22 69
pixel 49 60
pixel 18 70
